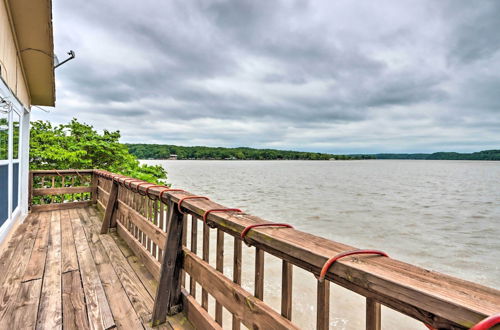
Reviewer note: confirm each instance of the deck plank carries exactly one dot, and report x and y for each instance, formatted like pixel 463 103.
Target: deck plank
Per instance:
pixel 73 302
pixel 139 297
pixel 69 259
pixel 36 265
pixel 122 309
pixel 50 310
pixel 99 312
pixel 7 254
pixel 28 299
pixel 59 272
pixel 15 271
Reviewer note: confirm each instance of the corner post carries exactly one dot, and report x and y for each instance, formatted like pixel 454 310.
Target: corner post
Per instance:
pixel 168 299
pixel 110 208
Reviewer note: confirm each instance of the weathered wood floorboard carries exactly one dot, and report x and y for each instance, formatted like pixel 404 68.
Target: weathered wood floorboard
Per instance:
pixel 99 312
pixel 59 272
pixel 74 310
pixel 122 309
pixel 49 310
pixel 13 275
pixel 69 259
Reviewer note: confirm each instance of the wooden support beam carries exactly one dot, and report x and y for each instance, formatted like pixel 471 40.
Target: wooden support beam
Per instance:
pixel 94 188
pixel 286 289
pixel 168 294
pixel 373 315
pixel 110 208
pixel 323 306
pixel 259 274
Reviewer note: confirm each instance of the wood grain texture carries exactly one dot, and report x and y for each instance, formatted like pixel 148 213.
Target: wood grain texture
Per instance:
pixel 237 250
pixel 110 208
pixel 36 265
pixel 259 274
pixel 69 258
pixel 254 313
pixel 99 311
pixel 219 265
pixel 286 289
pixel 73 302
pixel 50 310
pixel 168 294
pixel 373 314
pixel 25 313
pixel 60 191
pixel 206 255
pixel 124 314
pixel 152 231
pixel 14 273
pixel 323 306
pixel 140 251
pixel 196 314
pixel 138 295
pixel 59 206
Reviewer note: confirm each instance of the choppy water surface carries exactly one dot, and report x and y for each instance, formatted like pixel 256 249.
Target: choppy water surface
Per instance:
pixel 440 215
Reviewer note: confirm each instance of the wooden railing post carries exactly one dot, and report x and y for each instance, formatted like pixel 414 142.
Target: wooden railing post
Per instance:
pixel 373 314
pixel 94 187
pixel 168 294
pixel 30 190
pixel 110 209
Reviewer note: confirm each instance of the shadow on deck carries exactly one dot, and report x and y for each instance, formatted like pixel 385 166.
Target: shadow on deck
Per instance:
pixel 58 271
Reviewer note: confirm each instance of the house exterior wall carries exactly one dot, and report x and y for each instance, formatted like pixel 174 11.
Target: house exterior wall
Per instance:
pixel 14 129
pixel 10 63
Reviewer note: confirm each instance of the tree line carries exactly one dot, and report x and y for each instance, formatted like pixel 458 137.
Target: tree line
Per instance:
pixel 166 151
pixel 480 155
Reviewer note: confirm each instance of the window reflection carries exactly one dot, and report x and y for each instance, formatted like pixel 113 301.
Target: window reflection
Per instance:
pixel 4 136
pixel 15 147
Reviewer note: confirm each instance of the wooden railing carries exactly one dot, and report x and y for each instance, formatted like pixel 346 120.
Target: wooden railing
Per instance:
pixel 58 189
pixel 168 243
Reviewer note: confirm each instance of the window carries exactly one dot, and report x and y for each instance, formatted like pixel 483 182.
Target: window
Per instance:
pixel 4 136
pixel 4 166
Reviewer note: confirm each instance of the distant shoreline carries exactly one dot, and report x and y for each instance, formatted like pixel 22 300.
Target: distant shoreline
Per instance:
pixel 173 152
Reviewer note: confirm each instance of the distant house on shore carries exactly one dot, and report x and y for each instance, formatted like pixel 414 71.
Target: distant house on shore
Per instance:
pixel 26 79
pixel 172 157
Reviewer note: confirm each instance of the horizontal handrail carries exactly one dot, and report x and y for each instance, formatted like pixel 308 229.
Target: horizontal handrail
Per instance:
pixel 439 300
pixel 57 172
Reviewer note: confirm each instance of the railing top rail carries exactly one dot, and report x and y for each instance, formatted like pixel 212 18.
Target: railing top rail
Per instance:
pixel 432 297
pixel 56 172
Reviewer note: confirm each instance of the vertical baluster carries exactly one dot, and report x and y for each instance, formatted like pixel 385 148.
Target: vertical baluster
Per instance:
pixel 206 253
pixel 161 225
pixel 184 242
pixel 373 314
pixel 155 222
pixel 219 265
pixel 286 289
pixel 53 185
pixel 72 185
pixel 194 249
pixel 149 217
pixel 237 274
pixel 323 305
pixel 259 274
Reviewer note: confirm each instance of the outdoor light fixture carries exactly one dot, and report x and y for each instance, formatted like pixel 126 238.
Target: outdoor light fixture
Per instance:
pixel 71 56
pixel 5 105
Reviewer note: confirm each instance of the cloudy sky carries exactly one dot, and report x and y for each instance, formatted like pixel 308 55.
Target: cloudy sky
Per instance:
pixel 332 76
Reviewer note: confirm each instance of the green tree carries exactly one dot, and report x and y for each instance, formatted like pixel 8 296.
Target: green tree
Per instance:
pixel 78 146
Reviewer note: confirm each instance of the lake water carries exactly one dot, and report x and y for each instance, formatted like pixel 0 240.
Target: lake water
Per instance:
pixel 440 215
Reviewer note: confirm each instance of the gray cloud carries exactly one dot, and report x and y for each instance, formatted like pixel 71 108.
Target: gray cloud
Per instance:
pixel 308 75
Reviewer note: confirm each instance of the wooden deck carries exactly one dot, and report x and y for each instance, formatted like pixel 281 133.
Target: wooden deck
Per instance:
pixel 57 271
